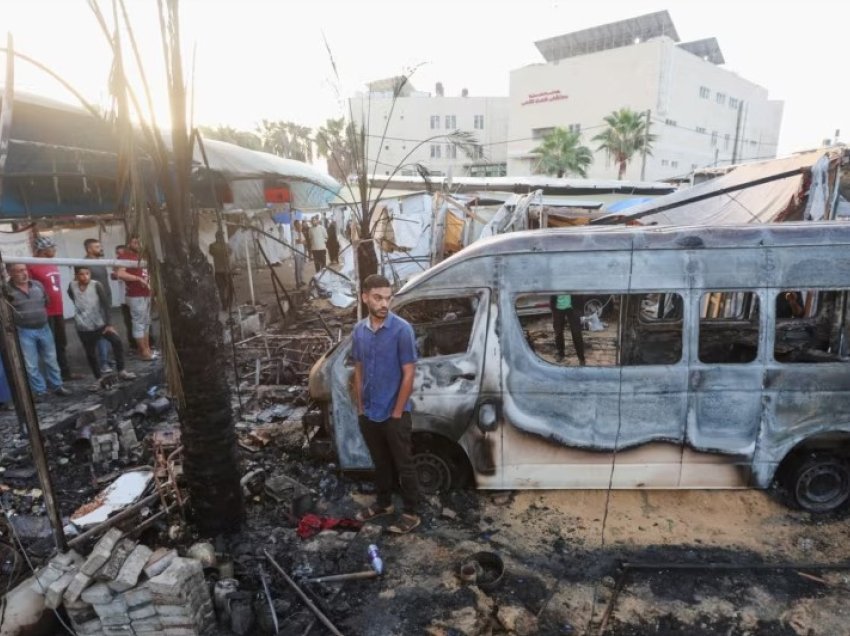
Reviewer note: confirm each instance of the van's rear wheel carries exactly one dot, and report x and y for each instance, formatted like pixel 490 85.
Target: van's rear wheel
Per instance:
pixel 820 482
pixel 433 472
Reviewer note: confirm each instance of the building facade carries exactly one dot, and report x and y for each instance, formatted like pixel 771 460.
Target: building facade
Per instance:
pixel 701 114
pixel 419 117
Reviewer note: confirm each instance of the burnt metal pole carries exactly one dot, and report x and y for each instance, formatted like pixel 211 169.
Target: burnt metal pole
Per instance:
pixel 645 143
pixel 21 392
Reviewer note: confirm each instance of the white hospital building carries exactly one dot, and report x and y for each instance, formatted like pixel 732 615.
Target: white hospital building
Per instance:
pixel 698 109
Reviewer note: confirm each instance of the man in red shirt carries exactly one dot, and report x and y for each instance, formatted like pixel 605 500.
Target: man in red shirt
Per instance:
pixel 48 276
pixel 137 295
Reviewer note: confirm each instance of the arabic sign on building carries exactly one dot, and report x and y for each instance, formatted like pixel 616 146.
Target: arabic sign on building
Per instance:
pixel 545 96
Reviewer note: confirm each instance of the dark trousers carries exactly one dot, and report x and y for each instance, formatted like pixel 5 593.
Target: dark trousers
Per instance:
pixel 559 317
pixel 333 252
pixel 57 326
pixel 319 259
pixel 90 339
pixel 225 289
pixel 390 446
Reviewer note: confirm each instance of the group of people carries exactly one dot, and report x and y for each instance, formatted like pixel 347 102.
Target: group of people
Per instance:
pixel 314 242
pixel 36 297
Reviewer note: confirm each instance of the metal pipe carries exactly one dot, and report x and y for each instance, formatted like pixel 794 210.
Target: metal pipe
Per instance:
pixel 350 576
pixel 74 262
pixel 121 516
pixel 325 621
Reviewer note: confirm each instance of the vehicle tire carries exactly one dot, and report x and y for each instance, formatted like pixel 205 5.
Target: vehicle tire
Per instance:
pixel 434 473
pixel 819 482
pixel 593 306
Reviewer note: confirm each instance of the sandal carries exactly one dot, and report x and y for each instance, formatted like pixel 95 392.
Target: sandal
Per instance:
pixel 405 524
pixel 373 511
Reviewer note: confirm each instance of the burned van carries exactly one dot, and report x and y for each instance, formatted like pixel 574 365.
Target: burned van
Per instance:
pixel 720 361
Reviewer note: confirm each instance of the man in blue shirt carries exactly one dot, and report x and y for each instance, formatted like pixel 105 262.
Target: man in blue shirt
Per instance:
pixel 384 353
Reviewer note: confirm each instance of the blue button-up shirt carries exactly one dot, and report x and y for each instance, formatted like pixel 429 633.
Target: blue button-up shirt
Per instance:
pixel 381 354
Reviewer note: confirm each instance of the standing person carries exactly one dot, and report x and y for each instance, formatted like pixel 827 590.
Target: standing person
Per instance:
pixel 220 252
pixel 125 310
pixel 333 243
pixel 99 273
pixel 299 255
pixel 318 243
pixel 29 308
pixel 92 319
pixel 48 275
pixel 137 297
pixel 563 311
pixel 384 354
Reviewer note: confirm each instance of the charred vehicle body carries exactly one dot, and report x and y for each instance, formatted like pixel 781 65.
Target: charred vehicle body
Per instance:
pixel 722 362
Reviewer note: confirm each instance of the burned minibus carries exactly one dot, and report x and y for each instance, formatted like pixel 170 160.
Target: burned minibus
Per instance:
pixel 721 361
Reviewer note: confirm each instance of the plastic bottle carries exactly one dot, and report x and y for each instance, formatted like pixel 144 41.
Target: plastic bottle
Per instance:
pixel 377 563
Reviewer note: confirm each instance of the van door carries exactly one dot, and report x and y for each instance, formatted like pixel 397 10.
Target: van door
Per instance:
pixel 726 388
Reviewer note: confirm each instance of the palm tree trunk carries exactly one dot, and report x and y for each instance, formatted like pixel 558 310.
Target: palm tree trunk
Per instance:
pixel 211 468
pixel 622 171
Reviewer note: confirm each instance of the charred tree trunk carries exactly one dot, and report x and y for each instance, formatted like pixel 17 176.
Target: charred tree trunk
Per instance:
pixel 209 439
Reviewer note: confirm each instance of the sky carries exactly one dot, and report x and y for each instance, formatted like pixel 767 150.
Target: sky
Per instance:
pixel 267 59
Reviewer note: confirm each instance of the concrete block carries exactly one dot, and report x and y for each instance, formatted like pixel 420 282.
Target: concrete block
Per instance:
pixel 142 611
pixel 172 581
pixel 97 594
pixel 118 630
pixel 69 559
pixel 45 577
pixel 72 593
pixel 101 552
pixel 137 596
pixel 159 561
pixel 80 612
pixel 179 631
pixel 127 436
pixel 53 596
pixel 111 568
pixel 178 621
pixel 113 613
pixel 144 624
pixel 89 628
pixel 132 568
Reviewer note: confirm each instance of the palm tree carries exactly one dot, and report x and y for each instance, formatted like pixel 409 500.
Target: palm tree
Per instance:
pixel 561 153
pixel 244 138
pixel 286 139
pixel 334 142
pixel 626 134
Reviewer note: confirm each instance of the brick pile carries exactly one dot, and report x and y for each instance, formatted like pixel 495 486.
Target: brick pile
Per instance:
pixel 124 589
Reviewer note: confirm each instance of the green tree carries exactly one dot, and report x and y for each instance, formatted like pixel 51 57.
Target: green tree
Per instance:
pixel 561 153
pixel 286 139
pixel 335 142
pixel 244 138
pixel 625 135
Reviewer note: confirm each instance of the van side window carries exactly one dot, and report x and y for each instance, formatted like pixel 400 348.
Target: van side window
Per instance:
pixel 603 330
pixel 728 327
pixel 811 326
pixel 443 326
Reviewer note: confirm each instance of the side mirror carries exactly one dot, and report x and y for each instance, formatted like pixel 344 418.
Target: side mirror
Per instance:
pixel 488 418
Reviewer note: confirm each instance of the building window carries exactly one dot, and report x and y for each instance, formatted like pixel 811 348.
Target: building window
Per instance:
pixel 435 122
pixel 478 122
pixel 478 152
pixel 701 130
pixel 670 122
pixel 753 142
pixel 575 128
pixel 674 164
pixel 435 151
pixel 450 122
pixel 451 151
pixel 541 133
pixel 721 98
pixel 726 141
pixel 733 102
pixel 704 92
pixel 386 147
pixel 713 137
pixel 664 162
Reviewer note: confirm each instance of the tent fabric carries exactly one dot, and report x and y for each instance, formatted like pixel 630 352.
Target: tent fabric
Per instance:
pixel 246 170
pixel 762 203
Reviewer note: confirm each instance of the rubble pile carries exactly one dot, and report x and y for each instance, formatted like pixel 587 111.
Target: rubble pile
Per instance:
pixel 125 588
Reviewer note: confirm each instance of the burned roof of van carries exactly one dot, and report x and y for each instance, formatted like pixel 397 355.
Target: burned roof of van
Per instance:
pixel 617 238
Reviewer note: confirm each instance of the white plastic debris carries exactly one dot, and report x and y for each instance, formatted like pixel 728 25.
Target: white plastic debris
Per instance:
pixel 338 299
pixel 122 492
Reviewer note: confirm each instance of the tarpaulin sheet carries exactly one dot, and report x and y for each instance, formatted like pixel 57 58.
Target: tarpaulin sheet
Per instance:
pixel 762 203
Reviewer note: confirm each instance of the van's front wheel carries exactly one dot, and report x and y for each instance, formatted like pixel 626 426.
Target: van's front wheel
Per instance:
pixel 433 472
pixel 820 483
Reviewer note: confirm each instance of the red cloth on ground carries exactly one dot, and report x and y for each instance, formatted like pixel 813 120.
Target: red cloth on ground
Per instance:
pixel 311 525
